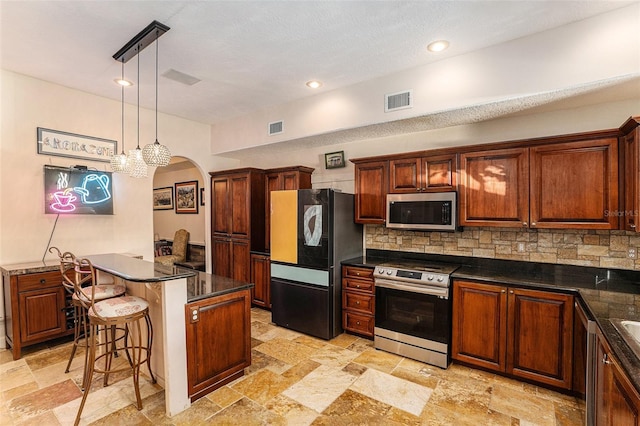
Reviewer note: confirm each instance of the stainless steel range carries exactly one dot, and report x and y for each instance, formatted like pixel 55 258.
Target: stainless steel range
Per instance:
pixel 413 310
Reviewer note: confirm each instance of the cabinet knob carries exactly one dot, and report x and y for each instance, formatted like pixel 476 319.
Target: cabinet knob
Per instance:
pixel 605 359
pixel 510 291
pixel 358 273
pixel 503 291
pixel 533 224
pixel 357 302
pixel 357 322
pixel 524 224
pixel 43 281
pixel 357 285
pixel 632 226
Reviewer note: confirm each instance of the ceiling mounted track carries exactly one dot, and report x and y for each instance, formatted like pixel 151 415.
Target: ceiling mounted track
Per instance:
pixel 143 39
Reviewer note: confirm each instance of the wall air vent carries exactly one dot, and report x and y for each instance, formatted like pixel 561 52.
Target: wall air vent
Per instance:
pixel 275 128
pixel 396 101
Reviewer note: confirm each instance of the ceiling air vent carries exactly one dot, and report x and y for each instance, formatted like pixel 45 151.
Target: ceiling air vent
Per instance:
pixel 275 128
pixel 396 101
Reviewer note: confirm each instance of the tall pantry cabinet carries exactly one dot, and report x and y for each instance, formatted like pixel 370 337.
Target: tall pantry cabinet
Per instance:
pixel 237 220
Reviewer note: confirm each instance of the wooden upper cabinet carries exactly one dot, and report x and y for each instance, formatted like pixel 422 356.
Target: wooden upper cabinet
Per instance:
pixel 424 174
pixel 575 185
pixel 240 203
pixel 220 205
pixel 494 188
pixel 371 184
pixel 630 146
pixel 286 178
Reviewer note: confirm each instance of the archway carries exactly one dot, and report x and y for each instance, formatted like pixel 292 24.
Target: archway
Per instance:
pixel 179 203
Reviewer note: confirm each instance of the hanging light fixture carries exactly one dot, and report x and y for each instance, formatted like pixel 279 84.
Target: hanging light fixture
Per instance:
pixel 156 154
pixel 137 166
pixel 119 162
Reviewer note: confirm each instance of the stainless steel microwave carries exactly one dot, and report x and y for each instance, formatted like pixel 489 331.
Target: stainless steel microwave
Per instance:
pixel 432 211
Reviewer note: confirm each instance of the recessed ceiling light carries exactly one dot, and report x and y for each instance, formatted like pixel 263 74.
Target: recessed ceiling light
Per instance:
pixel 314 84
pixel 438 46
pixel 122 82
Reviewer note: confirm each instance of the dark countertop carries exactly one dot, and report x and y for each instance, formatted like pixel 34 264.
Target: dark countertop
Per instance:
pixel 606 293
pixel 203 286
pixel 136 270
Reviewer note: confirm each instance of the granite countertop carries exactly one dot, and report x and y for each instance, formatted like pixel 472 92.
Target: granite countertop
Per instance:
pixel 606 293
pixel 203 286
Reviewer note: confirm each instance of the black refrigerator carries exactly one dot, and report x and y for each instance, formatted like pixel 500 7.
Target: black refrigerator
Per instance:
pixel 312 231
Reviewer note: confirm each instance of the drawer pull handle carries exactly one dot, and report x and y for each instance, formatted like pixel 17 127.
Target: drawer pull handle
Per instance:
pixel 357 285
pixel 358 302
pixel 605 359
pixel 358 273
pixel 43 281
pixel 357 322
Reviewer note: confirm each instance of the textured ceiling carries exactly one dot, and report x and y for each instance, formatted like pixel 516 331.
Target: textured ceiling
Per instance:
pixel 251 55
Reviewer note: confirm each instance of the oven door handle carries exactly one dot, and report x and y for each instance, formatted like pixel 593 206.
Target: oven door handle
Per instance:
pixel 394 285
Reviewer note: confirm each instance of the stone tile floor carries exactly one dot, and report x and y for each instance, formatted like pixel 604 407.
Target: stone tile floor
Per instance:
pixel 293 380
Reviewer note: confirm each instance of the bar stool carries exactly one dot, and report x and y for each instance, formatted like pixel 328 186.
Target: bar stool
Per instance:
pixel 102 291
pixel 122 311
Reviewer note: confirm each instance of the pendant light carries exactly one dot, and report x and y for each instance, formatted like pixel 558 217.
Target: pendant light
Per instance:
pixel 119 162
pixel 138 168
pixel 156 154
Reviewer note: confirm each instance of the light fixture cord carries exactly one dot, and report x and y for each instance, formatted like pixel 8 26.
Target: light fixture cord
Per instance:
pixel 138 54
pixel 157 86
pixel 123 107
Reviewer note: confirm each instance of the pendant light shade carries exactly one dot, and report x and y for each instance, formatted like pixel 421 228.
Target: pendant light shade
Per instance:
pixel 137 166
pixel 119 162
pixel 156 154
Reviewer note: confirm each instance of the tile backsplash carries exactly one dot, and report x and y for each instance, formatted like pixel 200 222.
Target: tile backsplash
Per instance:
pixel 605 249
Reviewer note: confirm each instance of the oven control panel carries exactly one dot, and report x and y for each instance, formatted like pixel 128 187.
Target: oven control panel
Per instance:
pixel 422 277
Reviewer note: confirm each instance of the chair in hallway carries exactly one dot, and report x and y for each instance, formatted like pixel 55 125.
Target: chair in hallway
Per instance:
pixel 125 312
pixel 178 249
pixel 100 292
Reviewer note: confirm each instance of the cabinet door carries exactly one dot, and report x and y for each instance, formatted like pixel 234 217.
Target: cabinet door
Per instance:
pixel 240 191
pixel 494 188
pixel 221 253
pixel 617 402
pixel 405 175
pixel 220 205
pixel 479 324
pixel 631 145
pixel 218 336
pixel 439 173
pixel 540 343
pixel 272 183
pixel 575 185
pixel 261 277
pixel 371 192
pixel 42 314
pixel 240 260
pixel 290 180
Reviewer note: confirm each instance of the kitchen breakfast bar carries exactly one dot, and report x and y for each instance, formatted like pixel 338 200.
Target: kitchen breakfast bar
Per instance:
pixel 195 316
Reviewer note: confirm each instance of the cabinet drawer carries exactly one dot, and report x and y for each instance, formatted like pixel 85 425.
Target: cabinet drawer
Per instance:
pixel 358 302
pixel 359 285
pixel 354 272
pixel 357 323
pixel 38 281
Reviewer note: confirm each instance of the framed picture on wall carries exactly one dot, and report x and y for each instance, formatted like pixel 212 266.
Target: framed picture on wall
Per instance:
pixel 202 196
pixel 334 160
pixel 163 198
pixel 187 197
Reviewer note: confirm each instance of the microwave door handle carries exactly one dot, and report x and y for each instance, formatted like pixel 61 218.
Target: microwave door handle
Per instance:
pixel 446 213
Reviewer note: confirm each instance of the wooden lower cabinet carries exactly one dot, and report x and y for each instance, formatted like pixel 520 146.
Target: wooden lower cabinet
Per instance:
pixel 218 341
pixel 617 401
pixel 37 310
pixel 231 258
pixel 358 300
pixel 261 279
pixel 524 333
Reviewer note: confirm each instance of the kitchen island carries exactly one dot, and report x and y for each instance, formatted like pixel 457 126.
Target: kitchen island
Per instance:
pixel 172 293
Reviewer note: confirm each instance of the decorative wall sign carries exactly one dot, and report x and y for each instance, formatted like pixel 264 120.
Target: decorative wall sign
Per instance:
pixel 163 198
pixel 187 197
pixel 74 191
pixel 63 144
pixel 334 160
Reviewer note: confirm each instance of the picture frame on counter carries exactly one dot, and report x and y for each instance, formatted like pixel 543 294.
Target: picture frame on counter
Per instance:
pixel 71 145
pixel 163 198
pixel 186 197
pixel 334 160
